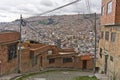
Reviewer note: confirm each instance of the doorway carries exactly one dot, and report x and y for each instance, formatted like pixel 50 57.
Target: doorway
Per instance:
pixel 105 65
pixel 41 61
pixel 84 66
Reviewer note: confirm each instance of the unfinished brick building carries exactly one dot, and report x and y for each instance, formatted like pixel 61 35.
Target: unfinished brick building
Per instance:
pixel 36 56
pixel 109 44
pixel 110 12
pixel 8 51
pixel 39 56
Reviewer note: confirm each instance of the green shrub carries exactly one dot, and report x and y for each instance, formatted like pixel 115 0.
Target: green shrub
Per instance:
pixel 85 78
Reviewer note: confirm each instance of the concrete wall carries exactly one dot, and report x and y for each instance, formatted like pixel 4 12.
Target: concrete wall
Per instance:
pixel 112 49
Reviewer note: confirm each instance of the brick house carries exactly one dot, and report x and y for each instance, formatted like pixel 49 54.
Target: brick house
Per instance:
pixel 109 43
pixel 110 12
pixel 36 56
pixel 8 51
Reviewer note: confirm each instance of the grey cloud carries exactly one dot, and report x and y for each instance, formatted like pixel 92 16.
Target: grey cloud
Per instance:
pixel 46 3
pixel 5 8
pixel 2 15
pixel 29 7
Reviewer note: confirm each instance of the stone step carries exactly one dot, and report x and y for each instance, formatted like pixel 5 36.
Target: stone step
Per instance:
pixel 101 76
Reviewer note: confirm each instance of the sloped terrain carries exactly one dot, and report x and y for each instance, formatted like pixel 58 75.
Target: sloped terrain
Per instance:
pixel 72 30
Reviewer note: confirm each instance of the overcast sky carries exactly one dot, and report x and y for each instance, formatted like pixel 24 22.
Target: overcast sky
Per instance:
pixel 11 9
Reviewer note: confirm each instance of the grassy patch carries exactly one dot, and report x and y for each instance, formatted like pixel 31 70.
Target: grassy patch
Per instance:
pixel 85 78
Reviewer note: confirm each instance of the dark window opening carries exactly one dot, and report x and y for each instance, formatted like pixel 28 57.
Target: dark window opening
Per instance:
pixel 31 56
pixel 52 60
pixel 102 35
pixel 66 60
pixel 100 52
pixel 113 36
pixel 107 36
pixel 12 51
pixel 32 41
pixel 84 64
pixel 111 58
pixel 34 60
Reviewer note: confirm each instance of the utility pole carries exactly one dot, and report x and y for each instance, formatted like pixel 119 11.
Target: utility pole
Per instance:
pixel 95 31
pixel 19 47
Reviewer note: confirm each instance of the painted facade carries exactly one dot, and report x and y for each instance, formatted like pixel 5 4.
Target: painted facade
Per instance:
pixel 109 43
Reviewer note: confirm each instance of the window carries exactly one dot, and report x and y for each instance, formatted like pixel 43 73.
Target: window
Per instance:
pixel 111 58
pixel 34 60
pixel 31 56
pixel 66 60
pixel 52 60
pixel 102 35
pixel 103 10
pixel 107 36
pixel 113 36
pixel 12 51
pixel 109 7
pixel 100 52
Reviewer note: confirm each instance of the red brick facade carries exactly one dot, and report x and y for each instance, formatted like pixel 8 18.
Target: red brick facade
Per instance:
pixel 9 36
pixel 108 18
pixel 35 57
pixel 58 58
pixel 112 18
pixel 8 65
pixel 117 14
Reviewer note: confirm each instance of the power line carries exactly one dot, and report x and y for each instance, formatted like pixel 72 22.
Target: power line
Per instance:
pixel 33 28
pixel 26 23
pixel 46 11
pixel 88 5
pixel 55 8
pixel 59 7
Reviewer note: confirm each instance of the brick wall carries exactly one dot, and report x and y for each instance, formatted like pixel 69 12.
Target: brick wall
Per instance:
pixel 6 39
pixel 108 19
pixel 117 14
pixel 112 18
pixel 30 51
pixel 6 67
pixel 43 59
